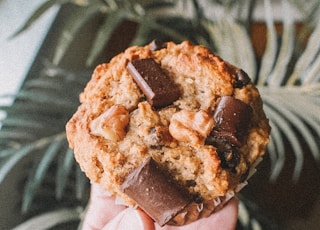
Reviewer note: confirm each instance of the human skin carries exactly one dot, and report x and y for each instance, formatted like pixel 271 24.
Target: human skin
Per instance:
pixel 104 214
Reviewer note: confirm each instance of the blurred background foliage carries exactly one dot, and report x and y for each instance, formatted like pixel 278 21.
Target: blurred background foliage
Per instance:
pixel 54 191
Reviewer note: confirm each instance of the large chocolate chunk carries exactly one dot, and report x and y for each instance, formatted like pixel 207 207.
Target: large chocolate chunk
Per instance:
pixel 232 118
pixel 156 192
pixel 159 89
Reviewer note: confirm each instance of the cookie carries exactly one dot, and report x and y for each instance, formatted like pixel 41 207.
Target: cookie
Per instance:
pixel 169 124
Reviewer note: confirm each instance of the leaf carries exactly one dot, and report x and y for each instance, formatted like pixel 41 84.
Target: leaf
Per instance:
pixel 312 75
pixel 152 24
pixel 310 53
pixel 37 14
pixel 50 219
pixel 45 98
pixel 215 36
pixel 242 48
pixel 24 123
pixel 44 83
pixel 35 180
pixel 9 163
pixel 141 36
pixel 81 182
pixel 16 135
pixel 236 49
pixel 64 168
pixel 297 118
pixel 224 42
pixel 286 128
pixel 159 4
pixel 104 34
pixel 278 74
pixel 310 10
pixel 6 153
pixel 269 56
pixel 276 150
pixel 71 28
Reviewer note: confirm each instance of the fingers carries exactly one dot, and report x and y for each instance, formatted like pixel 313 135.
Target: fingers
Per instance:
pixel 224 219
pixel 104 214
pixel 132 219
pixel 101 210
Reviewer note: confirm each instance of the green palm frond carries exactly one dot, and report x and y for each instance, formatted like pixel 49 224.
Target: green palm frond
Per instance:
pixel 71 28
pixel 269 57
pixel 37 176
pixel 110 24
pixel 65 163
pixel 36 15
pixel 34 128
pixel 278 73
pixel 51 219
pixel 291 97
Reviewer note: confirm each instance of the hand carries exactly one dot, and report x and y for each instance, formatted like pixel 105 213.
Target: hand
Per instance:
pixel 104 214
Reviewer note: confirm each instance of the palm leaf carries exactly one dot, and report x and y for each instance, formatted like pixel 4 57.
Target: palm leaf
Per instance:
pixel 36 178
pixel 64 169
pixel 22 152
pixel 309 9
pixel 278 74
pixel 307 58
pixel 81 183
pixel 293 110
pixel 35 125
pixel 142 35
pixel 14 135
pixel 292 124
pixel 71 28
pixel 242 53
pixel 276 150
pixel 302 124
pixel 293 140
pixel 24 123
pixel 104 34
pixel 269 56
pixel 37 14
pixel 313 74
pixel 50 219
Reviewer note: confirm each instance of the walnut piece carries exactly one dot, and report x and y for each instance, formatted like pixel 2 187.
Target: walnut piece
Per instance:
pixel 189 126
pixel 111 124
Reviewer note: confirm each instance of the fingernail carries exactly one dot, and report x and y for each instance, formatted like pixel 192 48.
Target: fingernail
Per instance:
pixel 127 219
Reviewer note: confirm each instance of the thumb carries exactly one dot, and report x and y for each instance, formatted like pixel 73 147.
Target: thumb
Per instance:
pixel 132 219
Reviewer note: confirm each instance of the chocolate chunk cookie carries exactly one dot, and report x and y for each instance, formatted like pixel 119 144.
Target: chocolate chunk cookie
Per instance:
pixel 174 117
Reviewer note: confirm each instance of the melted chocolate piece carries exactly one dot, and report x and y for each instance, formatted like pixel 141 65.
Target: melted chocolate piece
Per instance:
pixel 232 118
pixel 229 155
pixel 159 89
pixel 242 79
pixel 156 192
pixel 157 45
pixel 227 152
